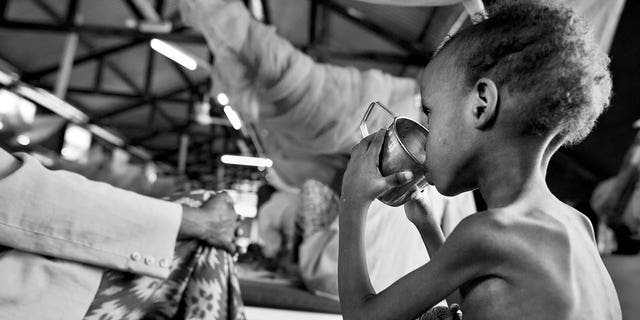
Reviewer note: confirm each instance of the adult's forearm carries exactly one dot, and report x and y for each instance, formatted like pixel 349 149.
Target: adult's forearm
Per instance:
pixel 64 215
pixel 250 57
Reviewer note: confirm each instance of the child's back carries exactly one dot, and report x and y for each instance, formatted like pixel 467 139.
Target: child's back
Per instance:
pixel 552 268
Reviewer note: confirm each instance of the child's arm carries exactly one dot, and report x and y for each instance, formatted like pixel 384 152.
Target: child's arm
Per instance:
pixel 467 254
pixel 419 212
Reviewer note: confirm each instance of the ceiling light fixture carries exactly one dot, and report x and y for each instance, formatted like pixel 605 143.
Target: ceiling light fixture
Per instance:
pixel 172 52
pixel 246 161
pixel 222 98
pixel 233 117
pixel 23 140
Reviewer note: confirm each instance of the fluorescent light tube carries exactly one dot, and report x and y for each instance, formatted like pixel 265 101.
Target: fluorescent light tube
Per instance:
pixel 233 117
pixel 222 98
pixel 24 140
pixel 173 53
pixel 106 135
pixel 246 161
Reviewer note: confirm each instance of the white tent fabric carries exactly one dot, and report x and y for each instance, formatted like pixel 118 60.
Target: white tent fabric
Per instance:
pixel 602 15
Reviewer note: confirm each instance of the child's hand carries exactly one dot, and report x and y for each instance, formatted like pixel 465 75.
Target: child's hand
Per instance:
pixel 362 181
pixel 419 211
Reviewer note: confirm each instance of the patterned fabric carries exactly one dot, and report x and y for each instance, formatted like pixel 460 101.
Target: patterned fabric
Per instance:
pixel 202 285
pixel 319 207
pixel 442 313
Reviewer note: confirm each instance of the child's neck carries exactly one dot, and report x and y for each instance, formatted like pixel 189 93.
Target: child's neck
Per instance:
pixel 510 174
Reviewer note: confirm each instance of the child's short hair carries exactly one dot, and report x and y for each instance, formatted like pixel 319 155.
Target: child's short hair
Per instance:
pixel 544 55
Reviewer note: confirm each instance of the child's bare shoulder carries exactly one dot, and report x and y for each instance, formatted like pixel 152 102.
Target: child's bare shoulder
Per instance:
pixel 484 232
pixel 508 230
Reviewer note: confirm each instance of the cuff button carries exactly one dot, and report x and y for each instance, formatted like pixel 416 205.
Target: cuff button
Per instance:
pixel 149 260
pixel 164 263
pixel 135 256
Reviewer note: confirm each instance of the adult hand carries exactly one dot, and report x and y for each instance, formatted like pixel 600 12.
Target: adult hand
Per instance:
pixel 191 11
pixel 187 9
pixel 215 222
pixel 362 181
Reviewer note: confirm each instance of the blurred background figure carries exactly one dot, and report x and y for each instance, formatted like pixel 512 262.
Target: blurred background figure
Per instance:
pixel 617 202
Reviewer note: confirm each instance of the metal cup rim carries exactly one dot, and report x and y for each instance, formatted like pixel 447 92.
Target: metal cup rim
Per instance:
pixel 397 137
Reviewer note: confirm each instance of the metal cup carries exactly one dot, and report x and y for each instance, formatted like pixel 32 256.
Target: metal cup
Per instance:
pixel 402 150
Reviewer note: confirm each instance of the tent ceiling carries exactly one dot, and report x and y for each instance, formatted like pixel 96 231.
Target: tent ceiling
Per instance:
pixel 124 85
pixel 127 87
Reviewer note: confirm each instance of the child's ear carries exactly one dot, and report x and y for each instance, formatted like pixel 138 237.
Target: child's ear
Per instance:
pixel 485 103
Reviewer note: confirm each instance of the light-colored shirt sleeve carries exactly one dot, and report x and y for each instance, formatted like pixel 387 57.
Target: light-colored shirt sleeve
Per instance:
pixel 305 107
pixel 63 215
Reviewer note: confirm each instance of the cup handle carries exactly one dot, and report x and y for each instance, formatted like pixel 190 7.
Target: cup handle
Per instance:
pixel 363 124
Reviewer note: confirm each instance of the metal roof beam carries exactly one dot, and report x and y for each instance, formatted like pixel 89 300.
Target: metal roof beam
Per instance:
pixel 126 108
pixel 134 9
pixel 100 30
pixel 360 19
pixel 266 11
pixel 115 94
pixel 95 55
pixel 313 21
pixel 412 60
pixel 72 10
pixel 157 132
pixel 3 8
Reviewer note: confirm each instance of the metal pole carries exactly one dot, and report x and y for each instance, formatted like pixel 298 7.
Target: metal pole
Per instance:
pixel 66 65
pixel 3 7
pixel 182 153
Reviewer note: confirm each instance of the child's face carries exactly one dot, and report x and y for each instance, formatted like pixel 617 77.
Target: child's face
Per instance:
pixel 444 102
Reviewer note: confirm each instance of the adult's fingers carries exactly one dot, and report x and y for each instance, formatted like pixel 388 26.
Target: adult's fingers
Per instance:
pixel 230 247
pixel 224 195
pixel 227 246
pixel 476 10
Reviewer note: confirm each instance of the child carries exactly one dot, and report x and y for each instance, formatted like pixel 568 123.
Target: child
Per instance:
pixel 501 97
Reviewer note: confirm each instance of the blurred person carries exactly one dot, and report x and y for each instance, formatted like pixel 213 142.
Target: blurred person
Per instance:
pixel 276 219
pixel 59 233
pixel 617 200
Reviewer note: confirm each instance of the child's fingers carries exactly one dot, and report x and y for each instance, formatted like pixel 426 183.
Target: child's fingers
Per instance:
pixel 364 144
pixel 398 178
pixel 378 139
pixel 421 201
pixel 476 10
